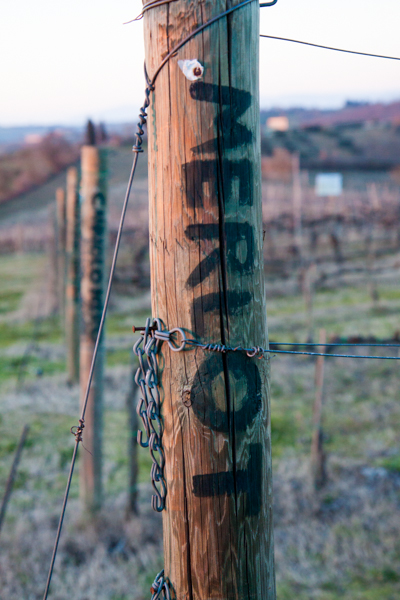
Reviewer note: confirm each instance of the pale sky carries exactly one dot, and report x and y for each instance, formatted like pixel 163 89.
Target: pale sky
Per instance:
pixel 62 61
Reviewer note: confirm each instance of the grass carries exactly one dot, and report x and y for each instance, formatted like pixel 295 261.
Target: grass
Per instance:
pixel 9 301
pixel 342 312
pixel 361 421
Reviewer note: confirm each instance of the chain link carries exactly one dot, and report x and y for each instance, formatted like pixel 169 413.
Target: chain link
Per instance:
pixel 160 586
pixel 146 349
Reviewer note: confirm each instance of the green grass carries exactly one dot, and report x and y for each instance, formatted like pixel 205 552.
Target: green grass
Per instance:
pixel 9 301
pixel 43 330
pixel 27 367
pixel 284 432
pixel 378 588
pixel 361 417
pixel 342 312
pixel 122 356
pixel 391 463
pixel 121 323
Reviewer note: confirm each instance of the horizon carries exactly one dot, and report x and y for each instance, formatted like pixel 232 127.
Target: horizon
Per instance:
pixel 125 121
pixel 49 79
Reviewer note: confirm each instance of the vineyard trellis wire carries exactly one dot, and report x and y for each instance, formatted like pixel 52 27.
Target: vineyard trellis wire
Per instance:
pixel 161 584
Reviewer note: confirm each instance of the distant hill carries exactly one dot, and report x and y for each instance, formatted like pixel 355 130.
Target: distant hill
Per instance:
pixel 33 165
pixel 352 112
pixel 359 136
pixel 14 137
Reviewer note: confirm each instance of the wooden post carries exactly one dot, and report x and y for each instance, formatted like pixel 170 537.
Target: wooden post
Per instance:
pixel 11 477
pixel 93 254
pixel 72 288
pixel 207 277
pixel 132 505
pixel 60 219
pixel 307 277
pixel 52 279
pixel 297 205
pixel 318 458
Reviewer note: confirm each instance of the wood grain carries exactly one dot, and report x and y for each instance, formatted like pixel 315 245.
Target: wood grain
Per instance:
pixel 207 277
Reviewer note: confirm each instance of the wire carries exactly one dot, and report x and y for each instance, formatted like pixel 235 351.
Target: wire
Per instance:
pixel 334 345
pixel 156 3
pixel 258 351
pixel 96 348
pixel 332 355
pixel 274 37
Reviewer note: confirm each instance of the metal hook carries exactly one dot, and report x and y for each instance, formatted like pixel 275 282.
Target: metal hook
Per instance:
pixel 268 3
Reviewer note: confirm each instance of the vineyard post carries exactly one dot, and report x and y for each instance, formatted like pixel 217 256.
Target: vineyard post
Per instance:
pixel 207 277
pixel 318 458
pixel 72 288
pixel 297 205
pixel 93 256
pixel 60 236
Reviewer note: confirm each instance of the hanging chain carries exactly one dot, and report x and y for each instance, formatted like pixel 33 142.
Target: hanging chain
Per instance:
pixel 146 349
pixel 160 586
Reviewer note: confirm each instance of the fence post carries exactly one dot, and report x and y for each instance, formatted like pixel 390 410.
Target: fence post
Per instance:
pixel 297 206
pixel 60 233
pixel 72 288
pixel 93 255
pixel 207 277
pixel 318 458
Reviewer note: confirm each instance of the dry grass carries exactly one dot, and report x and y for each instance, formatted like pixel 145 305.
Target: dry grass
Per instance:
pixel 340 542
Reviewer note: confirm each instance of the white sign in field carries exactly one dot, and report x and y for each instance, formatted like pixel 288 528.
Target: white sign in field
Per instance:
pixel 329 184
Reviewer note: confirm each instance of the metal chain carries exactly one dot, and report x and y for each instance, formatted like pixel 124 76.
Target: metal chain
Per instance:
pixel 146 349
pixel 160 586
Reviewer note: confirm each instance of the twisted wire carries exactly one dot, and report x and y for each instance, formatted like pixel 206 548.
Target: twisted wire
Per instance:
pixel 142 118
pixel 334 345
pixel 259 352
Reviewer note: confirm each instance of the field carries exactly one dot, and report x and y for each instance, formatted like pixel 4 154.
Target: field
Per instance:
pixel 339 542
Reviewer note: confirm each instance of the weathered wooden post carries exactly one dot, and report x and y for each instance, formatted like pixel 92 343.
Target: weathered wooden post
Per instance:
pixel 318 458
pixel 93 256
pixel 72 287
pixel 60 236
pixel 207 277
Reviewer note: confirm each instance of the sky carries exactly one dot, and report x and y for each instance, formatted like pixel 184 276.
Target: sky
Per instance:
pixel 63 61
